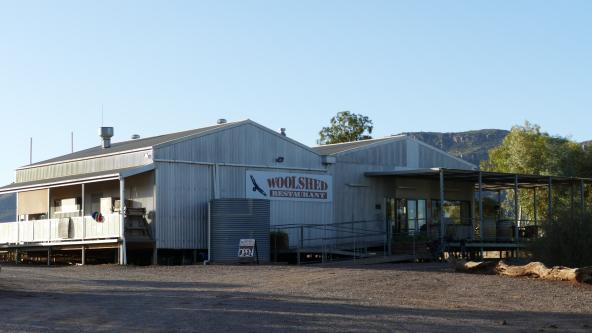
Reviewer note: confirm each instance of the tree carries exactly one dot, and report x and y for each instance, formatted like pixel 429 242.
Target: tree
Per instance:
pixel 566 236
pixel 346 127
pixel 528 150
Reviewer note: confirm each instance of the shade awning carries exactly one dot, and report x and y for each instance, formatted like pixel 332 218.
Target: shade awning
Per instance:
pixel 490 180
pixel 33 202
pixel 76 179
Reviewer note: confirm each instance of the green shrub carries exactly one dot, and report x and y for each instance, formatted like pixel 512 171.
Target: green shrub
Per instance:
pixel 565 242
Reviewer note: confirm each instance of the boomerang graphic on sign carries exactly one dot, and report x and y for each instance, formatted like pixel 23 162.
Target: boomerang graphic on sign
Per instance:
pixel 256 187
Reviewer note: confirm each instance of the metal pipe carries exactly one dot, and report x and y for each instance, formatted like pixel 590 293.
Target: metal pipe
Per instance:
pixel 216 180
pixel 209 234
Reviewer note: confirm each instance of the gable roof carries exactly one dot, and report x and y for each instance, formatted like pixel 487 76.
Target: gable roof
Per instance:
pixel 158 141
pixel 131 145
pixel 336 148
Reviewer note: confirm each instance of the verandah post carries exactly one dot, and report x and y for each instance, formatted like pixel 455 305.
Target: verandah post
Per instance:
pixel 442 226
pixel 516 217
pixel 550 203
pixel 481 210
pixel 582 204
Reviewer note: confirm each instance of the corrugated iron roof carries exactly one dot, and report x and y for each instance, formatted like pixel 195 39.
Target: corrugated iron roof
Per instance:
pixel 130 145
pixel 491 180
pixel 337 148
pixel 72 178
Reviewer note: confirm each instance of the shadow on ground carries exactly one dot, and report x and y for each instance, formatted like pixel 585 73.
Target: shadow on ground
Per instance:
pixel 151 306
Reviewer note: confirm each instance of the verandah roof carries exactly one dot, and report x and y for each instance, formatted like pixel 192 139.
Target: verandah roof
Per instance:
pixel 76 179
pixel 490 180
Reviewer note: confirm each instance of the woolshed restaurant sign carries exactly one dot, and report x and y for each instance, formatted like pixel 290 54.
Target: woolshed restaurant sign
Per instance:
pixel 288 186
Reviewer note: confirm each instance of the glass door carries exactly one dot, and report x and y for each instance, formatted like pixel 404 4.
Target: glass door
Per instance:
pixel 406 219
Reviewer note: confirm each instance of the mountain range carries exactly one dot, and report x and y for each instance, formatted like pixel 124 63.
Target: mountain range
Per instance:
pixel 472 146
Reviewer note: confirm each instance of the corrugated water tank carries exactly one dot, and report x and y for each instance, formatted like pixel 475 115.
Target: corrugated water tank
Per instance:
pixel 234 219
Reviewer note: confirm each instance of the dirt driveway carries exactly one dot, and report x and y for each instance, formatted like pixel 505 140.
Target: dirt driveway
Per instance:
pixel 394 297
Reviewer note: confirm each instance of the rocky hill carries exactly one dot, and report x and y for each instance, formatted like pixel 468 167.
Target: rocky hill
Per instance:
pixel 472 146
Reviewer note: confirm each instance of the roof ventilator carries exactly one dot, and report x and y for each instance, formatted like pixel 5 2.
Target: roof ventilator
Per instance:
pixel 106 133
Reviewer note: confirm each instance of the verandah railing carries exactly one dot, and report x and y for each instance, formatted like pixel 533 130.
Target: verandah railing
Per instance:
pixel 347 239
pixel 59 230
pixel 354 238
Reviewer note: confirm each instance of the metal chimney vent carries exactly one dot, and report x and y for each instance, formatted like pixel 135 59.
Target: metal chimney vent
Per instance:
pixel 221 121
pixel 283 131
pixel 106 133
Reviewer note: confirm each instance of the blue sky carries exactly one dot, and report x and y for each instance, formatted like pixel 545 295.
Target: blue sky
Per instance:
pixel 172 65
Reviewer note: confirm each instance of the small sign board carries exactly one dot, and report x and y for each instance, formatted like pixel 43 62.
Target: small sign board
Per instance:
pixel 247 250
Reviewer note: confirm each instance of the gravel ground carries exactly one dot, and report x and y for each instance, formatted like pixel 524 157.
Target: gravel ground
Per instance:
pixel 393 297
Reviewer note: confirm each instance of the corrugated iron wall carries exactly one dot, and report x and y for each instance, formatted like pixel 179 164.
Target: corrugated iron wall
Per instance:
pixel 360 198
pixel 183 190
pixel 244 144
pixel 81 167
pixel 182 195
pixel 391 153
pixel 232 185
pixel 428 157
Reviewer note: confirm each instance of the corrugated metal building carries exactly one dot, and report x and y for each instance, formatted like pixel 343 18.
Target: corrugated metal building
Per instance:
pixel 166 183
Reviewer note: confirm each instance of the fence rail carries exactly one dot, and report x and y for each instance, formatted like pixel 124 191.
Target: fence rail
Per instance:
pixel 59 230
pixel 337 239
pixel 355 238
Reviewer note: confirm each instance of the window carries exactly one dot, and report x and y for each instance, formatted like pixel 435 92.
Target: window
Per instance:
pixel 411 216
pixel 455 211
